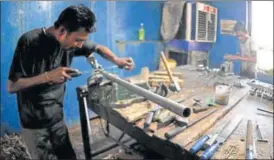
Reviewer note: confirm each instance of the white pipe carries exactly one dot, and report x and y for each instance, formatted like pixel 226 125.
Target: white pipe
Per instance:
pixel 188 21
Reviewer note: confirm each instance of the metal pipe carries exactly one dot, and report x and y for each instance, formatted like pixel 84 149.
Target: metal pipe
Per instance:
pixel 250 149
pixel 172 106
pixel 264 110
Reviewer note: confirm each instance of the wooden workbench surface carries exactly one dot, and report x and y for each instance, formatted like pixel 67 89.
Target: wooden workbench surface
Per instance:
pixel 194 87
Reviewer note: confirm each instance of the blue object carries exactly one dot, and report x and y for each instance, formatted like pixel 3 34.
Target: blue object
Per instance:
pixel 249 155
pixel 199 144
pixel 208 153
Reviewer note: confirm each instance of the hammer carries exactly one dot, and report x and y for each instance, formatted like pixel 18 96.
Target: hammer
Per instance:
pixel 175 85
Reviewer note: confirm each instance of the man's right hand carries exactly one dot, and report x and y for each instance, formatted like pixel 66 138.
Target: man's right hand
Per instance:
pixel 58 75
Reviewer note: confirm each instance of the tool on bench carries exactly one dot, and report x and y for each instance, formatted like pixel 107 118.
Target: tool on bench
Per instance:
pixel 208 139
pixel 198 110
pixel 177 130
pixel 212 140
pixel 259 135
pixel 250 148
pixel 197 102
pixel 223 136
pixel 150 116
pixel 264 110
pixel 203 107
pixel 175 85
pixel 148 119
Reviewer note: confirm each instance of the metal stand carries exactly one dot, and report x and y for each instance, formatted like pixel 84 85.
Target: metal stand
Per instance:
pixel 82 94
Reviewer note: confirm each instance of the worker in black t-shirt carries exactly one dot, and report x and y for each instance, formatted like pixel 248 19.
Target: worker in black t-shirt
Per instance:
pixel 38 75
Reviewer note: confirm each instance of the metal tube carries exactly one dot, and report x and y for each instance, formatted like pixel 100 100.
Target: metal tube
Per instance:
pixel 264 110
pixel 172 106
pixel 250 149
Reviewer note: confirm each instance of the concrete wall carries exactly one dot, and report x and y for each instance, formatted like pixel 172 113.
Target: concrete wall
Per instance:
pixel 116 21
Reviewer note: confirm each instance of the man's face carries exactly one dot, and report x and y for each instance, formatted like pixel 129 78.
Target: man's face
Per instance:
pixel 73 39
pixel 242 36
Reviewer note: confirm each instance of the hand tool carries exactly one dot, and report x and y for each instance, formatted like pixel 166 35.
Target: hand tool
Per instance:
pixel 161 90
pixel 177 130
pixel 197 102
pixel 250 149
pixel 264 110
pixel 223 136
pixel 216 133
pixel 180 100
pixel 74 73
pixel 175 83
pixel 203 142
pixel 259 135
pixel 197 110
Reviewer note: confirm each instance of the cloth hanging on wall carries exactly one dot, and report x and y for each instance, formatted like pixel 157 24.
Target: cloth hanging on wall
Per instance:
pixel 172 13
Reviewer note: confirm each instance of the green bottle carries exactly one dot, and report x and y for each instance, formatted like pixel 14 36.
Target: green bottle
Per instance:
pixel 141 33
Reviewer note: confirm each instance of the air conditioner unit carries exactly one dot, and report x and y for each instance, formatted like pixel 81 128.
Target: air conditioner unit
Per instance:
pixel 205 22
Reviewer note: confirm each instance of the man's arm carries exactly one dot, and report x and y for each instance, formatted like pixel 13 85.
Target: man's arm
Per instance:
pixel 24 83
pixel 89 47
pixel 248 59
pixel 242 58
pixel 57 75
pixel 20 76
pixel 106 53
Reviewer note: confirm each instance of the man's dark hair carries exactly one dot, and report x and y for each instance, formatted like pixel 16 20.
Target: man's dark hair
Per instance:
pixel 75 17
pixel 240 26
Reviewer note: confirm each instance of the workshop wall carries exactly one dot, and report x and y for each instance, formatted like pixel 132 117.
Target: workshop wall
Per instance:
pixel 117 27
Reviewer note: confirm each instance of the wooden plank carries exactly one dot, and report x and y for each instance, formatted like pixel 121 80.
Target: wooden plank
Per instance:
pixel 160 77
pixel 165 73
pixel 135 111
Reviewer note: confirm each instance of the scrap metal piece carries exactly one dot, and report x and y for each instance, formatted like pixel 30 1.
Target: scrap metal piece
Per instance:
pixel 250 147
pixel 264 110
pixel 259 135
pixel 176 131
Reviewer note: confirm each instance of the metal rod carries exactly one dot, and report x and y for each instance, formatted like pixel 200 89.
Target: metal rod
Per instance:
pixel 174 107
pixel 250 150
pixel 264 110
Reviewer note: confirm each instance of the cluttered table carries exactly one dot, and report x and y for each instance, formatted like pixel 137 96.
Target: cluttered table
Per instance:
pixel 173 136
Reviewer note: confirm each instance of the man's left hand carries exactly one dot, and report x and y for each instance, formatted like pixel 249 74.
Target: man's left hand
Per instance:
pixel 126 63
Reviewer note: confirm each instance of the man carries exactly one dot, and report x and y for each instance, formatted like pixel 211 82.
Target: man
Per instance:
pixel 38 74
pixel 248 52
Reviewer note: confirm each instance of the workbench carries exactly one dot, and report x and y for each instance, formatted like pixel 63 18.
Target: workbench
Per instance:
pixel 178 147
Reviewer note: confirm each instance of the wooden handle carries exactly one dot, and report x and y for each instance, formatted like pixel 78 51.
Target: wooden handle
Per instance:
pixel 166 66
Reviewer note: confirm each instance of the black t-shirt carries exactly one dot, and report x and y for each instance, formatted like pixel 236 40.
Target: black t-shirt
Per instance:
pixel 37 52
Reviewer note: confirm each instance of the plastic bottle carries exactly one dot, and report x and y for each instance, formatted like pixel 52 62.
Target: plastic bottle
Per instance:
pixel 141 33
